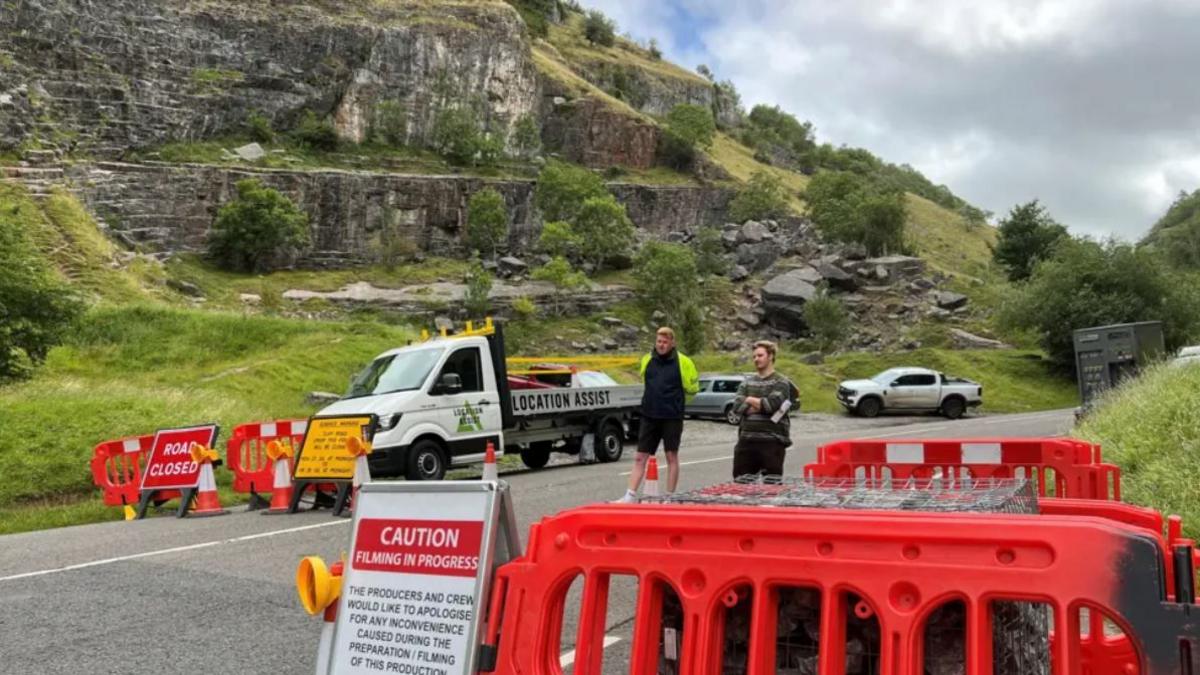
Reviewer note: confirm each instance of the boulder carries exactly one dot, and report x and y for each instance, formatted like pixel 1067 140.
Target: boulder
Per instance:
pixel 185 287
pixel 510 265
pixel 730 239
pixel 813 358
pixel 612 321
pixel 784 297
pixel 610 344
pixel 251 152
pixel 809 274
pixel 758 256
pixel 964 340
pixel 443 323
pixel 753 231
pixel 749 318
pixel 836 277
pixel 738 273
pixel 949 300
pixel 250 298
pixel 321 398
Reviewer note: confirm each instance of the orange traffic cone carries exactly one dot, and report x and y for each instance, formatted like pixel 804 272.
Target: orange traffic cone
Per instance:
pixel 490 472
pixel 650 488
pixel 207 503
pixel 280 452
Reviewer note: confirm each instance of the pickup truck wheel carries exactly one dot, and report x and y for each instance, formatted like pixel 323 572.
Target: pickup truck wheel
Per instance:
pixel 426 461
pixel 536 455
pixel 609 443
pixel 869 407
pixel 732 416
pixel 954 407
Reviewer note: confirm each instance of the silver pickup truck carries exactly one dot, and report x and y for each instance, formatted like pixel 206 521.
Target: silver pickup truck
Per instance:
pixel 910 390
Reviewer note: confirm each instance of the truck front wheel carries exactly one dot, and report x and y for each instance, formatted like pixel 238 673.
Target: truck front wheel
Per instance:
pixel 426 461
pixel 610 443
pixel 954 407
pixel 536 455
pixel 869 407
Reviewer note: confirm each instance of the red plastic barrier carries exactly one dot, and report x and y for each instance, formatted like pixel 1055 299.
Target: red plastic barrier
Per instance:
pixel 117 469
pixel 246 453
pixel 1072 468
pixel 895 567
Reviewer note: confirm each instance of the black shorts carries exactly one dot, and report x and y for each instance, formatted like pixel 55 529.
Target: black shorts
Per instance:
pixel 652 431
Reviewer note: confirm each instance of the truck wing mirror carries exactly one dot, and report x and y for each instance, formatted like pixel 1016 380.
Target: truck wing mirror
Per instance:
pixel 450 383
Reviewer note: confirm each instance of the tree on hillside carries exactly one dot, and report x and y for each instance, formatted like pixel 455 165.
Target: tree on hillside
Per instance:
pixel 709 249
pixel 666 280
pixel 562 189
pixel 848 208
pixel 562 276
pixel 763 196
pixel 558 240
pixel 456 134
pixel 604 229
pixel 1028 234
pixel 693 123
pixel 1177 233
pixel 527 138
pixel 36 309
pixel 599 29
pixel 478 287
pixel 827 320
pixel 256 229
pixel 1085 283
pixel 487 221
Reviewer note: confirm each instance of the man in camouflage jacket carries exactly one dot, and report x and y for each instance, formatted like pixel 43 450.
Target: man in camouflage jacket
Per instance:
pixel 763 400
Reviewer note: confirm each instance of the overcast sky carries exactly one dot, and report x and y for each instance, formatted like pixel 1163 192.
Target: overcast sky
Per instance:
pixel 1091 106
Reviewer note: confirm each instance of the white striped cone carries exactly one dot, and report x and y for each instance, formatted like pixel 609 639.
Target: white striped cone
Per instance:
pixel 281 489
pixel 490 471
pixel 362 471
pixel 207 503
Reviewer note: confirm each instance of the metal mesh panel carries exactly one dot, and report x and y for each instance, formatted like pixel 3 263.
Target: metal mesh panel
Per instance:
pixel 991 495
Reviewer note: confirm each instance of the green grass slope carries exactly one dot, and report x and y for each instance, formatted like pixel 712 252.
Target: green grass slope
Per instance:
pixel 1151 428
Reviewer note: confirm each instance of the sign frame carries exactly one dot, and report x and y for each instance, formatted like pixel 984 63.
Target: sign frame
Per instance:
pixel 300 485
pixel 187 492
pixel 500 544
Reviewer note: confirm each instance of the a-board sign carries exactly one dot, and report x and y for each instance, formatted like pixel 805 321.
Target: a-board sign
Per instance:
pixel 323 455
pixel 169 465
pixel 416 580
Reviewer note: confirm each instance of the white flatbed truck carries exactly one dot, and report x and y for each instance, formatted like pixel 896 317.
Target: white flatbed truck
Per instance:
pixel 441 400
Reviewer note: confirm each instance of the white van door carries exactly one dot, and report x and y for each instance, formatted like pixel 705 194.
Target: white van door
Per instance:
pixel 470 413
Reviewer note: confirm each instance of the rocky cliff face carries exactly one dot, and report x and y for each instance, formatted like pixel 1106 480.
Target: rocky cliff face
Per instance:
pixel 656 93
pixel 353 215
pixel 99 77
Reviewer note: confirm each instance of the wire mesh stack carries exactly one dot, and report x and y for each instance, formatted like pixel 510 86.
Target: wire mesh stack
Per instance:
pixel 1020 629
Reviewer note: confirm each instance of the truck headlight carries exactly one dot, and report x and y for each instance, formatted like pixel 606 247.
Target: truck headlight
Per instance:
pixel 389 422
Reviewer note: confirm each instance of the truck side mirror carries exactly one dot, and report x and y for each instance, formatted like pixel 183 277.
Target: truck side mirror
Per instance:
pixel 450 383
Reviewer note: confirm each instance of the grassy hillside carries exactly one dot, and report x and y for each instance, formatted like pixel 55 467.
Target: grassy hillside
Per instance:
pixel 1151 428
pixel 132 369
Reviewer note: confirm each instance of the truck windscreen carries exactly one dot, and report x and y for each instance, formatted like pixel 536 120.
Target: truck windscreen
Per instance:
pixel 402 371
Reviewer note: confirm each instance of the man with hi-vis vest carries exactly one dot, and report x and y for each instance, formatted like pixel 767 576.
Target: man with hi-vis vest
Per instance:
pixel 670 378
pixel 763 400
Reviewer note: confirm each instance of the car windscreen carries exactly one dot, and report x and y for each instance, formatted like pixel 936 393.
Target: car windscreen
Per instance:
pixel 885 378
pixel 402 371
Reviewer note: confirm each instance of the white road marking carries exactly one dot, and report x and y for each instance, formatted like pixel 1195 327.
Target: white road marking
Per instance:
pixel 568 656
pixel 177 549
pixel 1005 419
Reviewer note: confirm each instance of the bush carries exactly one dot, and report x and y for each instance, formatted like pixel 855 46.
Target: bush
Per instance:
pixel 456 135
pixel 675 152
pixel 847 208
pixel 827 320
pixel 762 197
pixel 36 309
pixel 653 51
pixel 259 128
pixel 524 308
pixel 559 273
pixel 255 228
pixel 709 249
pixel 527 138
pixel 604 229
pixel 692 123
pixel 599 29
pixel 562 189
pixel 1026 236
pixel 665 278
pixel 390 125
pixel 1177 233
pixel 487 221
pixel 316 133
pixel 479 284
pixel 558 239
pixel 1086 284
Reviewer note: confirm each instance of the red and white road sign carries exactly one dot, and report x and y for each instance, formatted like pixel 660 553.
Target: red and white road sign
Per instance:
pixel 413 589
pixel 170 465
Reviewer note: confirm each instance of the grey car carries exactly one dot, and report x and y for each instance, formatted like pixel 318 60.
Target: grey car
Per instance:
pixel 715 398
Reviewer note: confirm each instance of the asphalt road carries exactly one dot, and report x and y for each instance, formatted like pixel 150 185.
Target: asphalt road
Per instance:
pixel 216 595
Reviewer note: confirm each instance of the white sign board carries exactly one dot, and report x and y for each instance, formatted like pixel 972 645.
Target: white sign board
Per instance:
pixel 415 584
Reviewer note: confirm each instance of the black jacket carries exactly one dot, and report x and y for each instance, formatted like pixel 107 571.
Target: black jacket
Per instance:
pixel 663 397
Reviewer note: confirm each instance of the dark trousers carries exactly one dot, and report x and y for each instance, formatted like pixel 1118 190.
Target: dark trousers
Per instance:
pixel 758 455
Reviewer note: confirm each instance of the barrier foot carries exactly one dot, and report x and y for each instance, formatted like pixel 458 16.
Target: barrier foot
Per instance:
pixel 130 512
pixel 343 497
pixel 256 503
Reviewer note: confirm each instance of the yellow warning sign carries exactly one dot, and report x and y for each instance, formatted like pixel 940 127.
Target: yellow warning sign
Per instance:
pixel 323 455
